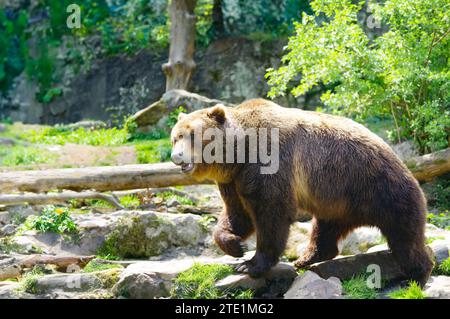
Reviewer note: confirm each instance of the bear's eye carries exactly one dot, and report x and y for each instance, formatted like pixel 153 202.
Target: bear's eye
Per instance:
pixel 180 137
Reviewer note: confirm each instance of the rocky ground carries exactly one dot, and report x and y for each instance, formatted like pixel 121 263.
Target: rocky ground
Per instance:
pixel 142 253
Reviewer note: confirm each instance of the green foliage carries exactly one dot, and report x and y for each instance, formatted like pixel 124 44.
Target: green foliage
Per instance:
pixel 403 73
pixel 94 265
pixel 29 280
pixel 13 47
pixel 441 220
pixel 181 199
pixel 438 193
pixel 198 282
pixel 21 155
pixel 412 292
pixel 52 219
pixel 173 116
pixel 61 135
pixel 443 269
pixel 130 201
pixel 356 288
pixel 153 151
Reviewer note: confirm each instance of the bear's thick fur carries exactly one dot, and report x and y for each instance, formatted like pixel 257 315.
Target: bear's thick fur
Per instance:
pixel 331 167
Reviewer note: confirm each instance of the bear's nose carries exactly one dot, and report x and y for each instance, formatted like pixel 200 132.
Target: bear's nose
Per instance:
pixel 177 157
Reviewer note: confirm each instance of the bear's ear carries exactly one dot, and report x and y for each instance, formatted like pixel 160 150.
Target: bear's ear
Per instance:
pixel 181 116
pixel 217 113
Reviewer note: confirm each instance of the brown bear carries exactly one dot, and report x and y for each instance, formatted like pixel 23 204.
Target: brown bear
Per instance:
pixel 331 167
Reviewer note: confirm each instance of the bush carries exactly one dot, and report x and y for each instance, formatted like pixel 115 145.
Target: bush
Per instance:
pixel 402 74
pixel 52 219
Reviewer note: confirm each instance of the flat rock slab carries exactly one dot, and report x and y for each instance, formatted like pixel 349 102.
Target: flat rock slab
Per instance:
pixel 273 284
pixel 311 286
pixel 438 287
pixel 345 268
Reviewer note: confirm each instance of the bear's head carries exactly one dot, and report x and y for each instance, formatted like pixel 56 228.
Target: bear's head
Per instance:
pixel 191 135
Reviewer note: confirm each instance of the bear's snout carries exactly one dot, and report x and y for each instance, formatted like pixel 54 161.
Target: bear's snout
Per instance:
pixel 177 157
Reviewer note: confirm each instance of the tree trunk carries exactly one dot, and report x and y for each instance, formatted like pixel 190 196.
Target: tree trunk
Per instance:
pixel 106 178
pixel 217 15
pixel 181 63
pixel 428 166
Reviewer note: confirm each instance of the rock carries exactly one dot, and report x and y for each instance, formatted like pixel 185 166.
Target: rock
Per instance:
pixel 440 249
pixel 7 141
pixel 172 202
pixel 346 267
pixel 9 269
pixel 438 287
pixel 130 233
pixel 10 290
pixel 150 279
pixel 360 240
pixel 297 241
pixel 378 248
pixel 311 286
pixel 89 125
pixel 433 232
pixel 146 233
pixel 7 230
pixel 405 150
pixel 77 281
pixel 25 245
pixel 17 214
pixel 170 101
pixel 2 128
pixel 273 284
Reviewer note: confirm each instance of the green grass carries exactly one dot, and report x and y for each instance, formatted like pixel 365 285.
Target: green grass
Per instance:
pixel 356 288
pixel 21 155
pixel 94 266
pixel 153 151
pixel 28 282
pixel 181 199
pixel 198 282
pixel 62 135
pixel 443 269
pixel 412 292
pixel 130 201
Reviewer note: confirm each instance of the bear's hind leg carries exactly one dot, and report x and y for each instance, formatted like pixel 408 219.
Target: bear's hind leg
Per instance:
pixel 323 242
pixel 234 224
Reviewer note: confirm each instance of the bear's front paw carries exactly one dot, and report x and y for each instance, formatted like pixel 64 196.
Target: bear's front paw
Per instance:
pixel 253 270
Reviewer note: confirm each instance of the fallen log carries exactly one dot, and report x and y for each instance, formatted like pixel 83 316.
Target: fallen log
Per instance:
pixel 428 166
pixel 12 267
pixel 40 199
pixel 59 261
pixel 107 178
pixel 127 177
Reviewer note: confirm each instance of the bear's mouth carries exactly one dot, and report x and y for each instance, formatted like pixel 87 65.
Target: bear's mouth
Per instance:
pixel 187 167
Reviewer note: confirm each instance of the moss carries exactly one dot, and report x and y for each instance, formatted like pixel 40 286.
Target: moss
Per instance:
pixel 28 282
pixel 184 200
pixel 108 278
pixel 7 245
pixel 412 292
pixel 198 282
pixel 131 238
pixel 356 288
pixel 94 265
